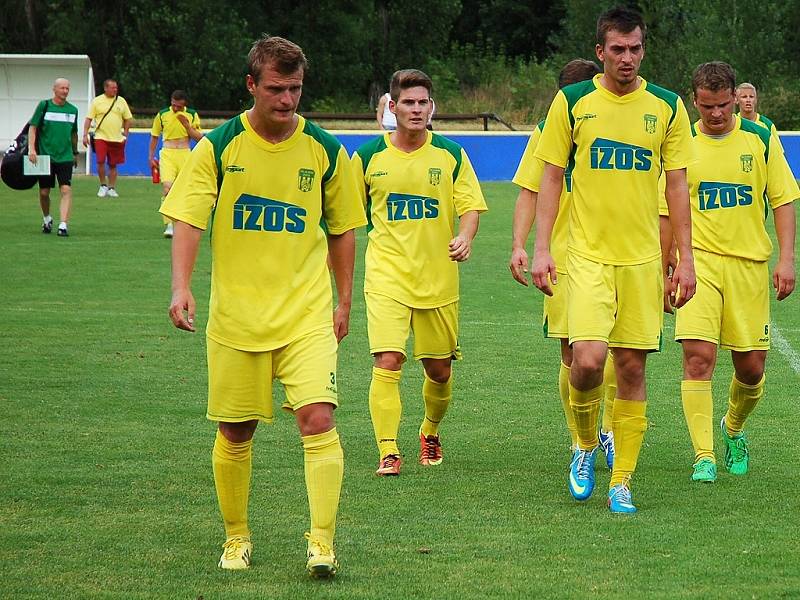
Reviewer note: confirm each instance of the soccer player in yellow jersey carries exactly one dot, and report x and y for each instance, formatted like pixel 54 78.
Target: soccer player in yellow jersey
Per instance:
pixel 740 174
pixel 282 196
pixel 747 100
pixel 621 132
pixel 176 124
pixel 527 177
pixel 414 184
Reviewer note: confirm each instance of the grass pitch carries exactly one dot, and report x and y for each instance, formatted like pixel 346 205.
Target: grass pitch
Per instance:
pixel 107 488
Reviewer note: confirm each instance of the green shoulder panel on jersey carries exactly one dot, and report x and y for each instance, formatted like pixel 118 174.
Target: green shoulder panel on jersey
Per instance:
pixel 763 134
pixel 575 92
pixel 369 149
pixel 540 125
pixel 663 94
pixel 220 138
pixel 693 127
pixel 161 114
pixel 766 122
pixel 191 111
pixel 439 141
pixel 328 142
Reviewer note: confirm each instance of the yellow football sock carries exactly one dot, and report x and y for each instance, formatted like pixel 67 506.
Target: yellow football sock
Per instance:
pixel 563 392
pixel 610 385
pixel 585 408
pixel 698 408
pixel 437 398
pixel 385 409
pixel 232 465
pixel 742 400
pixel 630 423
pixel 324 467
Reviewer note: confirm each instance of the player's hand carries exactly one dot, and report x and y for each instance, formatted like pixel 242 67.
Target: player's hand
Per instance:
pixel 519 265
pixel 85 140
pixel 669 294
pixel 74 160
pixel 181 310
pixel 783 279
pixel 153 163
pixel 460 248
pixel 341 322
pixel 183 120
pixel 32 156
pixel 543 272
pixel 684 283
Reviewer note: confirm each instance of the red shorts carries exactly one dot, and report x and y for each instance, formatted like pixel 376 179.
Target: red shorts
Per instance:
pixel 112 152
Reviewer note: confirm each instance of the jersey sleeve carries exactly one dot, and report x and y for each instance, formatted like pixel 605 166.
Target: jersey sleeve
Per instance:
pixel 38 114
pixel 126 111
pixel 677 151
pixel 357 167
pixel 467 193
pixel 194 193
pixel 556 141
pixel 156 130
pixel 342 210
pixel 92 114
pixel 663 208
pixel 530 168
pixel 781 185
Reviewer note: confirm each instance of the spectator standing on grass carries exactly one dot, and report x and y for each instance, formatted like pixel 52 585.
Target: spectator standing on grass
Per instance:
pixel 54 130
pixel 176 125
pixel 281 196
pixel 112 118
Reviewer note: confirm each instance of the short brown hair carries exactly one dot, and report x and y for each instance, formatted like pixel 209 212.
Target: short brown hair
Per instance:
pixel 179 95
pixel 622 19
pixel 287 57
pixel 577 70
pixel 408 78
pixel 714 76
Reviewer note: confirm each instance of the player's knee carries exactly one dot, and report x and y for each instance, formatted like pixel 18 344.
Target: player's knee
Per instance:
pixel 751 372
pixel 238 433
pixel 315 418
pixel 391 361
pixel 587 367
pixel 439 373
pixel 698 366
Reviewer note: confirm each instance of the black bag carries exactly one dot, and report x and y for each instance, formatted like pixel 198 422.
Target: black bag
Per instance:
pixel 12 168
pixel 91 140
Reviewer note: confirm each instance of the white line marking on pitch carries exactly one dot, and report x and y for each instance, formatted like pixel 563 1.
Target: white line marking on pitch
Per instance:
pixel 785 348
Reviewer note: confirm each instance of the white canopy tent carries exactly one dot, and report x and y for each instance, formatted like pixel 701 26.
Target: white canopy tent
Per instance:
pixel 25 79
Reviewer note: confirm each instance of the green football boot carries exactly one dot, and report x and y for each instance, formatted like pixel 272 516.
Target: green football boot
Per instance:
pixel 705 470
pixel 736 453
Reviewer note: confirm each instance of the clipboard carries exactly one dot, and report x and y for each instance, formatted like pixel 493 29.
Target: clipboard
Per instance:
pixel 42 166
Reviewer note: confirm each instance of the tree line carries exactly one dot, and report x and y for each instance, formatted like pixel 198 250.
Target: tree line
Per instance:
pixel 486 55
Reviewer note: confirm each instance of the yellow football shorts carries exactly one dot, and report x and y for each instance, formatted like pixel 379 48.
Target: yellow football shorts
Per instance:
pixel 619 305
pixel 171 161
pixel 554 317
pixel 731 305
pixel 240 382
pixel 389 323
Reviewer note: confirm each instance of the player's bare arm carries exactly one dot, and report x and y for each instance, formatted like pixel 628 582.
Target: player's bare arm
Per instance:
pixel 460 247
pixel 32 133
pixel 185 244
pixel 543 268
pixel 151 153
pixel 684 281
pixel 193 133
pixel 524 215
pixel 342 251
pixel 783 277
pixel 669 259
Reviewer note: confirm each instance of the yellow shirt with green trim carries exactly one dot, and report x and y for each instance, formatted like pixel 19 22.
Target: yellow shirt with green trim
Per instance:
pixel 111 128
pixel 736 180
pixel 268 204
pixel 166 123
pixel 529 175
pixel 619 145
pixel 412 200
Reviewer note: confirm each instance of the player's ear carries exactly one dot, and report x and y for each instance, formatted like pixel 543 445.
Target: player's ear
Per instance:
pixel 250 82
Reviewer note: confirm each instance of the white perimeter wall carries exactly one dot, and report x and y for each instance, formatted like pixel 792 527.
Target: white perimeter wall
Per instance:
pixel 25 79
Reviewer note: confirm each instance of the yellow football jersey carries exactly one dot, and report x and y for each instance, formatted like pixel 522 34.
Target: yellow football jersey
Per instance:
pixel 268 204
pixel 619 146
pixel 733 184
pixel 166 123
pixel 412 199
pixel 118 113
pixel 528 175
